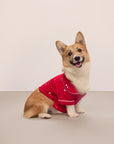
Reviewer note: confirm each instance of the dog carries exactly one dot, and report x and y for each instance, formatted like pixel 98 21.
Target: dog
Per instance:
pixel 64 91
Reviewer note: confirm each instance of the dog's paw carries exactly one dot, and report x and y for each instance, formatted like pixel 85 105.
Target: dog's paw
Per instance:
pixel 73 115
pixel 81 111
pixel 44 116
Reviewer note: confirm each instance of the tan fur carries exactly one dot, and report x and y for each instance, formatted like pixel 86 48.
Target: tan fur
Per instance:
pixel 38 104
pixel 74 50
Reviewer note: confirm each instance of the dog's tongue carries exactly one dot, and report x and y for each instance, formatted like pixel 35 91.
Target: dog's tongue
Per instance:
pixel 78 64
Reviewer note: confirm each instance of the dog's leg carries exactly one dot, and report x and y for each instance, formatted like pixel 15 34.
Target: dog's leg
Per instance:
pixel 78 109
pixel 71 111
pixel 39 110
pixel 31 112
pixel 44 114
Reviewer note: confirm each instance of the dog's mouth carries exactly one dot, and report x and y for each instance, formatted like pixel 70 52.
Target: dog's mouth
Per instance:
pixel 78 64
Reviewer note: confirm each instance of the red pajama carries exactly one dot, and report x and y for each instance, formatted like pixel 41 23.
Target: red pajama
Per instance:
pixel 61 91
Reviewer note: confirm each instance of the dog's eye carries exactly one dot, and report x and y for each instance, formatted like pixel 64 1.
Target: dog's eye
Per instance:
pixel 70 53
pixel 79 50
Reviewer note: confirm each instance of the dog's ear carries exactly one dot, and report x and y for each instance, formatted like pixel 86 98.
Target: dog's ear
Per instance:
pixel 61 47
pixel 80 38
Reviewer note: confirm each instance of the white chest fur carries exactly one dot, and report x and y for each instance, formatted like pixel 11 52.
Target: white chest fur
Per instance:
pixel 79 77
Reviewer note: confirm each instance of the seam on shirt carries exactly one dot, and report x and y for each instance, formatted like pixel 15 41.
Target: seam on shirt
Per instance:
pixel 67 100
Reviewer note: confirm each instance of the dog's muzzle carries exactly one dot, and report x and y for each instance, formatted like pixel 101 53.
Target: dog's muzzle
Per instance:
pixel 77 61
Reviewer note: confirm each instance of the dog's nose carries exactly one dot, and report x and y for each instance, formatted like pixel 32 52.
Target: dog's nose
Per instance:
pixel 77 58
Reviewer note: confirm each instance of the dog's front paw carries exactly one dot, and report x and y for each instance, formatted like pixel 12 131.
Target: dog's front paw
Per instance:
pixel 73 115
pixel 80 111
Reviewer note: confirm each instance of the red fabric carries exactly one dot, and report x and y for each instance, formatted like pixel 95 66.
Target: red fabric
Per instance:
pixel 61 91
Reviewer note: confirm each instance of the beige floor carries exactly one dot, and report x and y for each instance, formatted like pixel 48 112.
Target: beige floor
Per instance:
pixel 96 126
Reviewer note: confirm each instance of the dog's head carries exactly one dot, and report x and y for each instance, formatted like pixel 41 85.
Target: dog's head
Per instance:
pixel 75 55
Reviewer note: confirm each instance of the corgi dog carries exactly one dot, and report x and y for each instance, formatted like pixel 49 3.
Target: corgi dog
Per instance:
pixel 64 91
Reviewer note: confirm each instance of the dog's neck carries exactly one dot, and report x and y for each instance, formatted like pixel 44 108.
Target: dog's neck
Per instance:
pixel 79 77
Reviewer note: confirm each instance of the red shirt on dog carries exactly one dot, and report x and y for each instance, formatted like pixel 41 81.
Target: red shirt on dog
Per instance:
pixel 61 91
